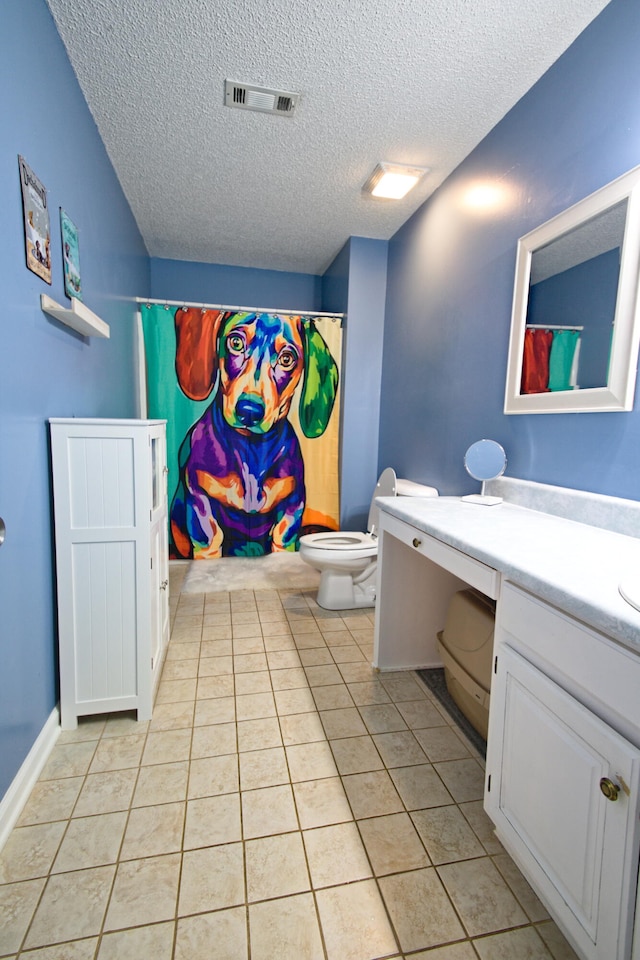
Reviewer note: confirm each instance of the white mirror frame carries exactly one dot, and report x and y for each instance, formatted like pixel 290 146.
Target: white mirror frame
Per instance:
pixel 619 391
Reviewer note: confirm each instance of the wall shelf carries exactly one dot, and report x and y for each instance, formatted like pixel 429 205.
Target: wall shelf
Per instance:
pixel 77 316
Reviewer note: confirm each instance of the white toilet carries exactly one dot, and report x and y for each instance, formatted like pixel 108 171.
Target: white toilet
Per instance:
pixel 347 560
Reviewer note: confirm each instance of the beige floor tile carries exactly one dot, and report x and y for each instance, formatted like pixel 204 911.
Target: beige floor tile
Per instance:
pixel 226 928
pixel 555 941
pixel 213 740
pixel 336 855
pixel 167 746
pixel 179 670
pixel 69 760
pixel 481 897
pixel 294 701
pixel 420 787
pixel 216 632
pixel 464 779
pixel 172 716
pixel 145 891
pixel 283 659
pixel 216 648
pixel 354 922
pixel 212 878
pixel 446 834
pixel 175 691
pixel 368 692
pixel 301 728
pixel 523 893
pixel 258 682
pixel 357 672
pixel 399 749
pixel 89 728
pixel 161 783
pixel 124 725
pixel 332 697
pixel 310 761
pixel 345 722
pixel 51 800
pixel 348 653
pixel 382 718
pixel 286 928
pixel 280 641
pixel 315 657
pixel 119 753
pixel 454 951
pixel 356 755
pixel 441 743
pixel 250 662
pixel 405 895
pixel 263 768
pixel 91 842
pixel 321 802
pixel 323 675
pixel 291 678
pixel 212 776
pixel 106 792
pixel 276 867
pixel 275 628
pixel 372 794
pixel 137 943
pixel 258 734
pixel 72 906
pixel 473 812
pixel 246 630
pixel 183 650
pixel 212 820
pixel 18 902
pixel 153 831
pixel 404 688
pixel 75 950
pixel 268 811
pixel 421 713
pixel 218 710
pixel 211 687
pixel 215 666
pixel 393 844
pixel 30 851
pixel 524 944
pixel 255 706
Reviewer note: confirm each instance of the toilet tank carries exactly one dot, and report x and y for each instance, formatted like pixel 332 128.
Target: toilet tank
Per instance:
pixel 466 648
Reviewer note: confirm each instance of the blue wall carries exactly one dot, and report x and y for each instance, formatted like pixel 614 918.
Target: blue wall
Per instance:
pixel 48 370
pixel 234 286
pixel 451 272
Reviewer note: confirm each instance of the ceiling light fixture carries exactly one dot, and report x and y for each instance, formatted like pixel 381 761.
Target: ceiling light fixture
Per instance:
pixel 392 181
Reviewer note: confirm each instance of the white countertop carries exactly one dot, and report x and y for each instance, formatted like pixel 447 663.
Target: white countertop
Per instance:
pixel 574 566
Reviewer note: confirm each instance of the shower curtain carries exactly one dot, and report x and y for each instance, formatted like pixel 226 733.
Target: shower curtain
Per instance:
pixel 252 405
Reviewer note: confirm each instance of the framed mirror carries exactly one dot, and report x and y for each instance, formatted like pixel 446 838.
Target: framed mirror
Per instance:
pixel 575 322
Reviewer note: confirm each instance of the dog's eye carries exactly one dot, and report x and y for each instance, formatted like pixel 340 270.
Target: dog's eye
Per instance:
pixel 287 359
pixel 235 343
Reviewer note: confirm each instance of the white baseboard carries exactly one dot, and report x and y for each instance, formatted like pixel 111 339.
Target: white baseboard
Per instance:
pixel 15 798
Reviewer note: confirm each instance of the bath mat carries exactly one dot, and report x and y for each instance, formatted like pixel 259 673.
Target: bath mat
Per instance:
pixel 435 681
pixel 276 571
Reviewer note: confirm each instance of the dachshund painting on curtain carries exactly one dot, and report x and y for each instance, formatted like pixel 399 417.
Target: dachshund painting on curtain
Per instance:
pixel 241 488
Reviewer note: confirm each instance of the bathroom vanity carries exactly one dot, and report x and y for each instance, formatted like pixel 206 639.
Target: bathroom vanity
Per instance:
pixel 563 755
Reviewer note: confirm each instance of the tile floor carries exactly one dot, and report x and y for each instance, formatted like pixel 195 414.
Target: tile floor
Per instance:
pixel 285 803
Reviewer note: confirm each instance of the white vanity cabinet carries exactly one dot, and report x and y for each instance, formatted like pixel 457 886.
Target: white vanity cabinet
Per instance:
pixel 110 508
pixel 563 768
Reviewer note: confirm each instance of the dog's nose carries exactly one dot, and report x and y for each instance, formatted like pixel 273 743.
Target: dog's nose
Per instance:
pixel 250 410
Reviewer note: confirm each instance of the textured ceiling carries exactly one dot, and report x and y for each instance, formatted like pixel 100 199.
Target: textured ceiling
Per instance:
pixel 408 81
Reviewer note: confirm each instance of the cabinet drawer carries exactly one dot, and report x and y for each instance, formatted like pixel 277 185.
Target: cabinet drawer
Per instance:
pixel 474 572
pixel 597 671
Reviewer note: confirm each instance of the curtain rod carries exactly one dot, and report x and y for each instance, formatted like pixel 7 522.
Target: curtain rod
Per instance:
pixel 235 309
pixel 550 326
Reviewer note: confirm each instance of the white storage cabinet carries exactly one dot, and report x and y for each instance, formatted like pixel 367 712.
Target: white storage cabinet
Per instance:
pixel 563 766
pixel 110 506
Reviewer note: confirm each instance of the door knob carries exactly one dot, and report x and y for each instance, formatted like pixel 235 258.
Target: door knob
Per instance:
pixel 609 789
pixel 416 542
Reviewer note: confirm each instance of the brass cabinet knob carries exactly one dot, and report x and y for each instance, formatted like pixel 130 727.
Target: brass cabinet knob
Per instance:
pixel 609 789
pixel 416 542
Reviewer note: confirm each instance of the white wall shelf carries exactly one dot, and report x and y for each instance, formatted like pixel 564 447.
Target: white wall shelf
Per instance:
pixel 77 316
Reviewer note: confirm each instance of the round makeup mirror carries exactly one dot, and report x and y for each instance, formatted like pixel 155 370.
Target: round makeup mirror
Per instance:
pixel 485 460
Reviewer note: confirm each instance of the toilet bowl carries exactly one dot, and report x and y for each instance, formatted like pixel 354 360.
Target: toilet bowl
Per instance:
pixel 347 560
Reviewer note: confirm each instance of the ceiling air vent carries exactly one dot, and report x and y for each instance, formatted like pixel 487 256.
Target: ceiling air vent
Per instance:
pixel 244 96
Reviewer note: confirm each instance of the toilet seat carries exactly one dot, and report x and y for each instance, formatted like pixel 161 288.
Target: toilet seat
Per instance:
pixel 342 541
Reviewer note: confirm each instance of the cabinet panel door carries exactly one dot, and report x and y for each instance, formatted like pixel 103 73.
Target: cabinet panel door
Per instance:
pixel 580 850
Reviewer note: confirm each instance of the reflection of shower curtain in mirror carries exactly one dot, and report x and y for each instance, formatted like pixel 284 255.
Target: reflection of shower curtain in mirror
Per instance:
pixel 550 360
pixel 252 407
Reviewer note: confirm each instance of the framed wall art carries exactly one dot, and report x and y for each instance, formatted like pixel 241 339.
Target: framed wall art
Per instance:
pixel 70 257
pixel 37 229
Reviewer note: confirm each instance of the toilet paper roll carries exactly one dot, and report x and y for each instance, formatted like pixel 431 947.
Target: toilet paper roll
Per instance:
pixel 409 488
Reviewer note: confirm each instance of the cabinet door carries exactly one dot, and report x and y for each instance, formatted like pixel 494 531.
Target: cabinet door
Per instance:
pixel 547 757
pixel 159 551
